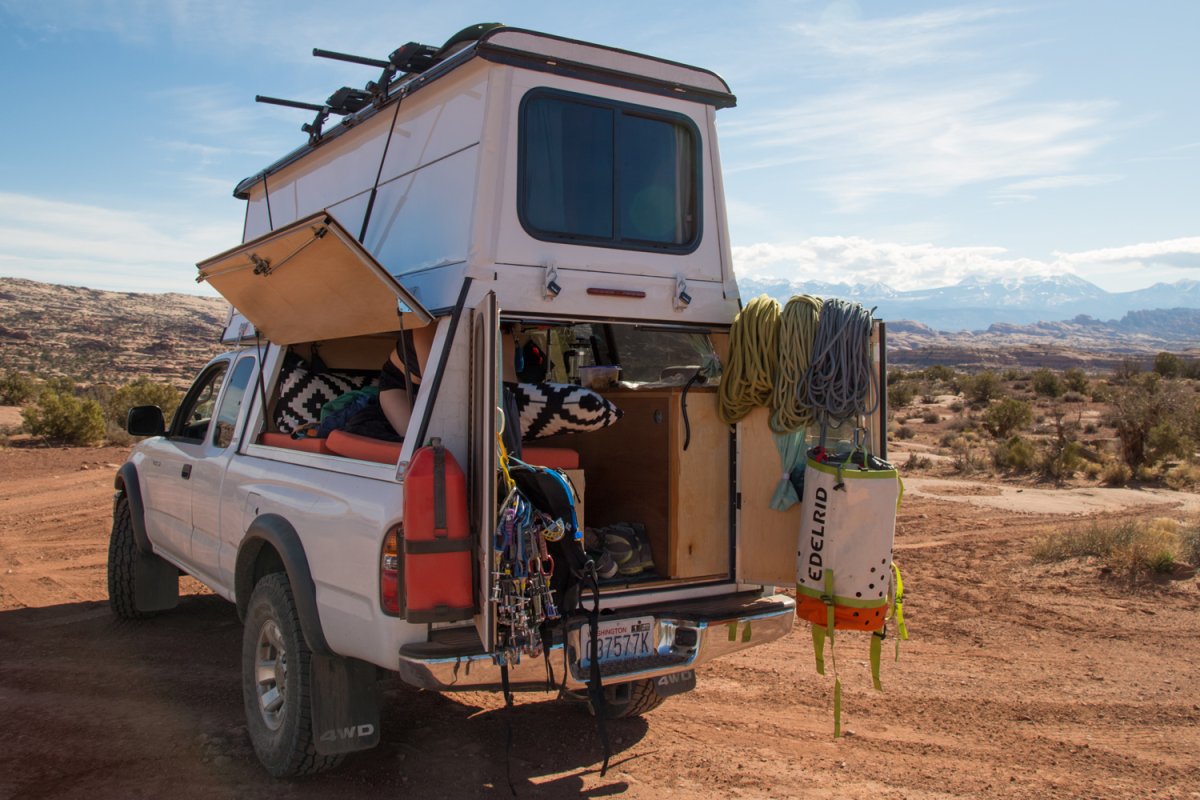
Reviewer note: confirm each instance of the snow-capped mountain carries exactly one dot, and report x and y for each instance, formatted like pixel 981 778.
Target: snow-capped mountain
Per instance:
pixel 976 303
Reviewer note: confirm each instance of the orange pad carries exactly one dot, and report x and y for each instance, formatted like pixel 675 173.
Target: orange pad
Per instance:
pixel 851 619
pixel 550 457
pixel 351 445
pixel 285 440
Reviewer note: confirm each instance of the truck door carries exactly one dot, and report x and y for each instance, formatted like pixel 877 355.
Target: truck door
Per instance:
pixel 208 472
pixel 484 410
pixel 167 469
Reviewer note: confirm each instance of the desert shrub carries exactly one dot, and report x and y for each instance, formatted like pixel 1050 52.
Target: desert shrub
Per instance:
pixel 141 392
pixel 1151 403
pixel 983 387
pixel 63 417
pixel 930 417
pixel 940 373
pixel 966 459
pixel 1090 428
pixel 1074 397
pixel 1182 476
pixel 904 432
pixel 1130 547
pixel 929 399
pixel 1062 454
pixel 1168 365
pixel 16 388
pixel 1126 371
pixel 1016 455
pixel 1007 416
pixel 1189 542
pixel 1116 473
pixel 918 462
pixel 900 394
pixel 1092 469
pixel 1047 383
pixel 1076 380
pixel 956 406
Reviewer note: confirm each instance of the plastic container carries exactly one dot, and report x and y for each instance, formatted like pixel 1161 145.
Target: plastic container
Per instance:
pixel 598 377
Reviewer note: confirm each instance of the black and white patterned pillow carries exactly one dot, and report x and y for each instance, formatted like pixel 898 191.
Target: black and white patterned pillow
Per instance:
pixel 547 409
pixel 302 393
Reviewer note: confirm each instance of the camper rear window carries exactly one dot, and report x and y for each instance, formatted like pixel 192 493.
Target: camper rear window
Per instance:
pixel 608 174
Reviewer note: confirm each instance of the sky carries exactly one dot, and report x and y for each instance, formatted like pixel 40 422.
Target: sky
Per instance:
pixel 913 143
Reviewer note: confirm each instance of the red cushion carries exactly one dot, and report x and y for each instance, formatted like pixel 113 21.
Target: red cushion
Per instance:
pixel 285 440
pixel 351 445
pixel 552 457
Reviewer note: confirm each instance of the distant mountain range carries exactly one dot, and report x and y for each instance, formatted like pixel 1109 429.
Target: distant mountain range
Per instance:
pixel 976 303
pixel 100 336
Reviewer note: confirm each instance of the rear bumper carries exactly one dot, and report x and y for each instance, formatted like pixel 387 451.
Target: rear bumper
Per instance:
pixel 686 636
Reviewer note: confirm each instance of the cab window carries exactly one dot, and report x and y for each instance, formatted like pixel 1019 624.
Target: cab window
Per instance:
pixel 194 415
pixel 608 174
pixel 231 402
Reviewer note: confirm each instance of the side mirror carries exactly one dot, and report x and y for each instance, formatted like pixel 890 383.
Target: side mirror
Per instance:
pixel 145 421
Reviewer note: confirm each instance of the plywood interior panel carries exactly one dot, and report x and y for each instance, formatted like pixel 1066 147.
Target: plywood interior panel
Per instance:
pixel 767 538
pixel 699 542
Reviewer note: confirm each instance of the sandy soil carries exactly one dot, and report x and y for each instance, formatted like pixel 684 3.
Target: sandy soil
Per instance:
pixel 1020 681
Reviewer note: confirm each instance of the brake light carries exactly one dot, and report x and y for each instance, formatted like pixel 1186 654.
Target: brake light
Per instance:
pixel 389 572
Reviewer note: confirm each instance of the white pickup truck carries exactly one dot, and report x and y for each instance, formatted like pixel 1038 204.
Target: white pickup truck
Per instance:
pixel 511 195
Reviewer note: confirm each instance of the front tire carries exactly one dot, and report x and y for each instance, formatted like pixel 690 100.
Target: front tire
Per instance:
pixel 122 564
pixel 276 683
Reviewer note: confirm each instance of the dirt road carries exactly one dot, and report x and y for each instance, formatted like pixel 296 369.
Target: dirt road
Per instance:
pixel 1020 681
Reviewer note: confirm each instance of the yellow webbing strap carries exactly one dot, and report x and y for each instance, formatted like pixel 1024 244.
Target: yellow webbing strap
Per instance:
pixel 876 653
pixel 818 634
pixel 827 599
pixel 898 609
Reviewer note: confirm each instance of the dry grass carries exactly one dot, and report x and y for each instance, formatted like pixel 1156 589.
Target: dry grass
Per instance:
pixel 1130 547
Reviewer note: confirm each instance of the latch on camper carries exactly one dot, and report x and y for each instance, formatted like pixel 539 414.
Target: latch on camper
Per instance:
pixel 550 287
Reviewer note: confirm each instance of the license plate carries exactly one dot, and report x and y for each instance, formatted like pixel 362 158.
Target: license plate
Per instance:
pixel 618 640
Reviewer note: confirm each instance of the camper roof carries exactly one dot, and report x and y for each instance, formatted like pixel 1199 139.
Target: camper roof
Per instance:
pixel 544 53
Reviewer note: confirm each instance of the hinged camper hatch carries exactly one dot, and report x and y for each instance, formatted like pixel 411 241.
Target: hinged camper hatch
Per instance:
pixel 311 281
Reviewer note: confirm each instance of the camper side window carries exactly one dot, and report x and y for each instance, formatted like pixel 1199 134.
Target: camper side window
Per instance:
pixel 608 174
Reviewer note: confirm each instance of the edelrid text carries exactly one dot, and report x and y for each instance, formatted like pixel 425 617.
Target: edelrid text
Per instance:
pixel 816 540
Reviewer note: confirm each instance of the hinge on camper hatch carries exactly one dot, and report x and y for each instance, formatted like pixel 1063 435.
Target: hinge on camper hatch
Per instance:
pixel 261 265
pixel 550 287
pixel 682 298
pixel 737 500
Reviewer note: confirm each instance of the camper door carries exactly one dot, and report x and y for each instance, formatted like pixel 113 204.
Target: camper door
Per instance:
pixel 767 539
pixel 311 281
pixel 484 410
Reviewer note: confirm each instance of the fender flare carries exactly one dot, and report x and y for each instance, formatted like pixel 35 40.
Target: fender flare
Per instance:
pixel 127 483
pixel 274 530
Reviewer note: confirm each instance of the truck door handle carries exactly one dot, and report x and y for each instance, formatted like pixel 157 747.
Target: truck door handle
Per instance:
pixel 187 471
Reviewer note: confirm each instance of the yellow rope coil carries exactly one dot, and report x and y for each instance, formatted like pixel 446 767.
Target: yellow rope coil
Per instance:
pixel 749 378
pixel 790 411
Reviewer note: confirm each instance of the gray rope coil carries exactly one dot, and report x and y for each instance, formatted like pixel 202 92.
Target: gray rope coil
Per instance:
pixel 840 377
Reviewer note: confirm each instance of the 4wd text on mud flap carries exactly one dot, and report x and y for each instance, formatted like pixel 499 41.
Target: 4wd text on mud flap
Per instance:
pixel 353 732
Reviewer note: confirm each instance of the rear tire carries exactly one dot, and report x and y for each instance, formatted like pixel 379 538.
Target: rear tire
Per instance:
pixel 276 684
pixel 122 558
pixel 622 700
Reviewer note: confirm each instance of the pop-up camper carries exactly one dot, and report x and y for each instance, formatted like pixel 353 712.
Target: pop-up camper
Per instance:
pixel 546 218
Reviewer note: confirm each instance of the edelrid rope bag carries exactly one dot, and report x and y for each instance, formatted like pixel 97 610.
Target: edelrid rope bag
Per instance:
pixel 844 558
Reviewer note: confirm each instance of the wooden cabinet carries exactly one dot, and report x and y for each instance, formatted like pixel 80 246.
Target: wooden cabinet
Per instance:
pixel 638 471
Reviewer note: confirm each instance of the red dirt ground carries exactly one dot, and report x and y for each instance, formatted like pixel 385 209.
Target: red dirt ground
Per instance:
pixel 1020 680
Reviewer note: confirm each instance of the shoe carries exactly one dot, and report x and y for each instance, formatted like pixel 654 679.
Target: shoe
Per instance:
pixel 605 566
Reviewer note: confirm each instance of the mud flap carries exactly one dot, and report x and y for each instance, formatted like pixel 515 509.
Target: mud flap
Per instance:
pixel 345 704
pixel 155 584
pixel 675 683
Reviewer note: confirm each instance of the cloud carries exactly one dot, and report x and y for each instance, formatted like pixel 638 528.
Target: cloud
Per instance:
pixel 842 259
pixel 925 38
pixel 875 140
pixel 105 248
